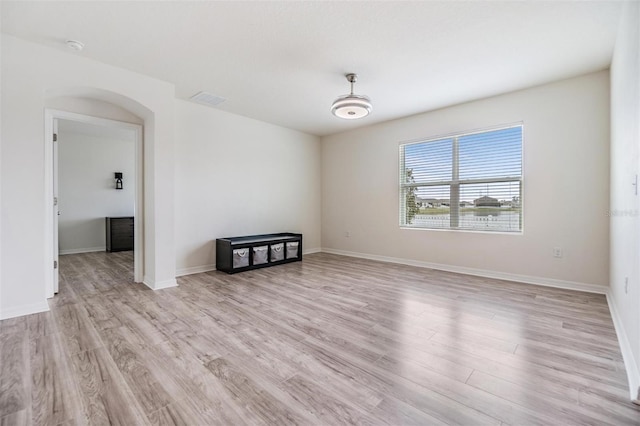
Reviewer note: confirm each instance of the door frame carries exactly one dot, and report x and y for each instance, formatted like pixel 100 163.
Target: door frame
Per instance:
pixel 56 208
pixel 51 116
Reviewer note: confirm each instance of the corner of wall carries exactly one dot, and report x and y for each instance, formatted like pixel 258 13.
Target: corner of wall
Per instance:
pixel 19 311
pixel 624 272
pixel 633 375
pixel 159 285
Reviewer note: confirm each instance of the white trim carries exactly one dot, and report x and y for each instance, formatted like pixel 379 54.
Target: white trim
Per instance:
pixel 631 366
pixel 633 375
pixel 455 179
pixel 50 115
pixel 208 268
pixel 19 311
pixel 527 279
pixel 49 255
pixel 463 133
pixel 195 270
pixel 82 250
pixel 159 285
pixel 473 231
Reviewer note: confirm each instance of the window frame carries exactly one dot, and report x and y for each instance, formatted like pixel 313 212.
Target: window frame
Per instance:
pixel 455 182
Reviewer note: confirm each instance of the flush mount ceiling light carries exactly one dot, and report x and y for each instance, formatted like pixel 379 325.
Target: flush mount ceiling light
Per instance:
pixel 75 45
pixel 351 106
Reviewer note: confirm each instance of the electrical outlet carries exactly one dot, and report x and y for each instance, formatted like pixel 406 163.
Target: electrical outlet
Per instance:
pixel 557 252
pixel 626 285
pixel 347 234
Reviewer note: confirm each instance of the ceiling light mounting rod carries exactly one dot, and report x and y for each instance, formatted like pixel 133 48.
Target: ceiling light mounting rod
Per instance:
pixel 351 106
pixel 352 78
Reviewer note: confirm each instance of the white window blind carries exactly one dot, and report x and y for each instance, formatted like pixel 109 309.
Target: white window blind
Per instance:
pixel 467 181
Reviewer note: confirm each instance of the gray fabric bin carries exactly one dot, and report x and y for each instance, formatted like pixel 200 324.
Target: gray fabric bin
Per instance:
pixel 241 258
pixel 260 255
pixel 277 252
pixel 292 250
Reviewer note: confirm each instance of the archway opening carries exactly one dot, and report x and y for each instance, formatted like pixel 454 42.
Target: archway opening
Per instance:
pixel 110 110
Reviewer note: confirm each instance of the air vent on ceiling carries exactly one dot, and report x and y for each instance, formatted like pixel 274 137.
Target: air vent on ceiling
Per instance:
pixel 207 98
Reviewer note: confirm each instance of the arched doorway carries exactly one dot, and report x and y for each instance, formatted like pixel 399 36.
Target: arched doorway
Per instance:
pixel 96 107
pixel 53 117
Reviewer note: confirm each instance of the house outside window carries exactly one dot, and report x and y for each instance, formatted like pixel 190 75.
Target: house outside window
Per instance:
pixel 464 181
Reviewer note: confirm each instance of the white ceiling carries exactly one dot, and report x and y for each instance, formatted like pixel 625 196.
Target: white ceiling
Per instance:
pixel 284 62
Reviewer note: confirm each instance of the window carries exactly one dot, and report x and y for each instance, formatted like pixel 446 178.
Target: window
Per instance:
pixel 466 181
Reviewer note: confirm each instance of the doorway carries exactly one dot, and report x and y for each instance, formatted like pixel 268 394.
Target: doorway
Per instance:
pixel 100 193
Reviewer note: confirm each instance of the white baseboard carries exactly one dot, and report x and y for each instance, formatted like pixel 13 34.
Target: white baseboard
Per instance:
pixel 527 279
pixel 82 250
pixel 207 268
pixel 195 270
pixel 630 364
pixel 159 285
pixel 19 311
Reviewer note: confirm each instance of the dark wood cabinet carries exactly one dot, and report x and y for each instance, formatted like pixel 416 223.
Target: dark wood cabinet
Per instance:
pixel 237 254
pixel 119 233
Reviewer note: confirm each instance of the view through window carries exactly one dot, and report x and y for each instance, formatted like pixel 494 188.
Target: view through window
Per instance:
pixel 467 181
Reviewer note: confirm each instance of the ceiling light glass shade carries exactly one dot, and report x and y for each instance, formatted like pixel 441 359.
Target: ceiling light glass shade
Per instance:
pixel 351 106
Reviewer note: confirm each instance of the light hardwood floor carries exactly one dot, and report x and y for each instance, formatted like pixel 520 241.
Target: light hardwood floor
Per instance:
pixel 330 340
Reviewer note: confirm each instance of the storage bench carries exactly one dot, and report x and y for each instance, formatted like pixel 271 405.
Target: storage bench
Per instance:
pixel 237 254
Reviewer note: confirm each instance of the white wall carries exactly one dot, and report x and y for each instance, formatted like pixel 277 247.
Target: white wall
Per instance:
pixel 31 73
pixel 566 188
pixel 238 176
pixel 1 161
pixel 87 191
pixel 283 162
pixel 625 204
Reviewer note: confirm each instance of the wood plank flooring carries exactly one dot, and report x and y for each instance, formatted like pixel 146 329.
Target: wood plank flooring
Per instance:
pixel 327 341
